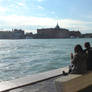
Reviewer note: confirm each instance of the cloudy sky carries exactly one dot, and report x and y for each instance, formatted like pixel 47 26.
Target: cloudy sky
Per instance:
pixel 33 14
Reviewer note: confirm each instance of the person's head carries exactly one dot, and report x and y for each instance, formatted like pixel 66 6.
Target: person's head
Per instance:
pixel 78 48
pixel 87 45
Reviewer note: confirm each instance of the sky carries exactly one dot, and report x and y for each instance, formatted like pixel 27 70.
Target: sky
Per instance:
pixel 31 15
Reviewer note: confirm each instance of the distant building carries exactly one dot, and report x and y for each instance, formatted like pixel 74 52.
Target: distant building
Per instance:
pixel 29 35
pixel 18 34
pixel 57 32
pixel 87 35
pixel 75 34
pixel 44 33
pixel 14 34
pixel 5 34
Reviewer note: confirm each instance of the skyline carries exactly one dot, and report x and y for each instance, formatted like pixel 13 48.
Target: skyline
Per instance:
pixel 33 14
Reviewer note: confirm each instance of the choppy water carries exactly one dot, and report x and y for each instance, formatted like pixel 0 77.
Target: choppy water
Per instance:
pixel 19 58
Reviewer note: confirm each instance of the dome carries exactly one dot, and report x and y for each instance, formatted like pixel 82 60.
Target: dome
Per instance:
pixel 57 26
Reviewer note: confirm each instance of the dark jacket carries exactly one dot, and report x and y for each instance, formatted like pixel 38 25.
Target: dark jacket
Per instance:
pixel 89 58
pixel 79 63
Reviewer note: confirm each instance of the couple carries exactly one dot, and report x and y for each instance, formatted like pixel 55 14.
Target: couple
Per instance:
pixel 81 61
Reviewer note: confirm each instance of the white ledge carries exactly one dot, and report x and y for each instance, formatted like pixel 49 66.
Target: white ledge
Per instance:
pixel 74 82
pixel 8 85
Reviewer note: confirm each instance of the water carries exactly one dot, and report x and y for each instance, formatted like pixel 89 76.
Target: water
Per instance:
pixel 19 58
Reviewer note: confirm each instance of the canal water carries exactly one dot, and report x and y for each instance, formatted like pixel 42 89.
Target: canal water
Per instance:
pixel 19 58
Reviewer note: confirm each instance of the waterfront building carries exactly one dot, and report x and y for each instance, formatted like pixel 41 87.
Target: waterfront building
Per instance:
pixel 5 35
pixel 18 34
pixel 14 34
pixel 29 35
pixel 87 35
pixel 56 32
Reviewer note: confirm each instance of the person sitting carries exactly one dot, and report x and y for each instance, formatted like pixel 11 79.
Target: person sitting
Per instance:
pixel 88 51
pixel 78 61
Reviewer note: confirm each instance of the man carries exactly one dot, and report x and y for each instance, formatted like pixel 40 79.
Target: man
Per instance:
pixel 88 51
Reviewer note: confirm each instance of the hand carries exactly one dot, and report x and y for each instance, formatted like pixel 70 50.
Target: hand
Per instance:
pixel 71 55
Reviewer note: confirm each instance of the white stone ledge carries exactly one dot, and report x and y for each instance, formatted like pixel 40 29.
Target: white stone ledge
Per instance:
pixel 73 82
pixel 8 85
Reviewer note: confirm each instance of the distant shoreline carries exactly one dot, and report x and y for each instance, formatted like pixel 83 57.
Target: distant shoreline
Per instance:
pixel 45 38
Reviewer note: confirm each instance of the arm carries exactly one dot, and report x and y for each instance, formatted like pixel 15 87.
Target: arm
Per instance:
pixel 71 55
pixel 74 59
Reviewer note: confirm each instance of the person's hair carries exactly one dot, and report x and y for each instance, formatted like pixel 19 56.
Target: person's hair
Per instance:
pixel 78 48
pixel 87 45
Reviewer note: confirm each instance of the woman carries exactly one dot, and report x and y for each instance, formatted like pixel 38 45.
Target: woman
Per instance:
pixel 78 61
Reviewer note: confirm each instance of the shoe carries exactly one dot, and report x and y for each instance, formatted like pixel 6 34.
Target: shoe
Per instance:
pixel 64 73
